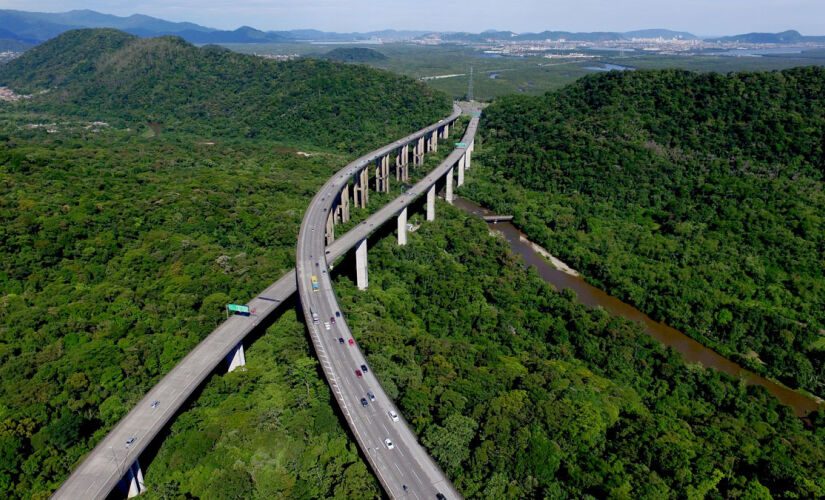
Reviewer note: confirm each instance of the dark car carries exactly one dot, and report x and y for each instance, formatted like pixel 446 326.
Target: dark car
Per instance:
pixel 337 314
pixel 358 373
pixel 332 319
pixel 364 368
pixel 439 496
pixel 371 396
pixel 340 340
pixel 364 402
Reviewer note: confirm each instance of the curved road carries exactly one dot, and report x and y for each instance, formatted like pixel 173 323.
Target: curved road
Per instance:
pixel 111 459
pixel 405 469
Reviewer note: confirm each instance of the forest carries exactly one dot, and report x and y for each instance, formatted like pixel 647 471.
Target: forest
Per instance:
pixel 108 75
pixel 698 198
pixel 121 242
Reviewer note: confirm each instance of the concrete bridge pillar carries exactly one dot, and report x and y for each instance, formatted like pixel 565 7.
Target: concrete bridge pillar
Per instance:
pixel 449 195
pixel 402 226
pixel 461 163
pixel 434 141
pixel 343 204
pixel 330 229
pixel 361 190
pixel 431 203
pixel 361 277
pixel 445 131
pixel 402 164
pixel 134 480
pixel 418 152
pixel 382 174
pixel 236 357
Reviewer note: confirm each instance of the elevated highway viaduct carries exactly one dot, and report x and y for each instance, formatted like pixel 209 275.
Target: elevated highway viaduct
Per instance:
pixel 115 460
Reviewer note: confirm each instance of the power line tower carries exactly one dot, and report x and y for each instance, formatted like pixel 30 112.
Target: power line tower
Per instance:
pixel 470 90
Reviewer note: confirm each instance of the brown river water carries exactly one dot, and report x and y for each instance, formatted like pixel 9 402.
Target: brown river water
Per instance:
pixel 691 350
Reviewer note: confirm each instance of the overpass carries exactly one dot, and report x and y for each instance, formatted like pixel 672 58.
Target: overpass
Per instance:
pixel 116 458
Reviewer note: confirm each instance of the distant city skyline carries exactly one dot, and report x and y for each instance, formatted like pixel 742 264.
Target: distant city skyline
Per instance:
pixel 700 17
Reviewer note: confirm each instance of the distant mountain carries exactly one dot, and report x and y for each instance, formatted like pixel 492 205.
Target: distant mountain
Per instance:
pixel 354 55
pixel 660 33
pixel 790 36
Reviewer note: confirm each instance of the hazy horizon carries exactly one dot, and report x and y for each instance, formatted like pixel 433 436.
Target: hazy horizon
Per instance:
pixel 700 17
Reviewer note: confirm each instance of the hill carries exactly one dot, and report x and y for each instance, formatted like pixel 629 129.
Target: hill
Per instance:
pixel 110 75
pixel 785 37
pixel 354 55
pixel 695 197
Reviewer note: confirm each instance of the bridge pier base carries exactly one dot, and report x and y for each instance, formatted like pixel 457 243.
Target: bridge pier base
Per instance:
pixel 431 203
pixel 418 152
pixel 236 357
pixel 361 277
pixel 402 226
pixel 449 194
pixel 461 164
pixel 134 481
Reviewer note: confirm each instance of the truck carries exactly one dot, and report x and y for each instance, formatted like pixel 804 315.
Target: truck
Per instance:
pixel 314 284
pixel 315 318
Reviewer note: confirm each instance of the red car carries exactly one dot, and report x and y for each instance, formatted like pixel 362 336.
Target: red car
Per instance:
pixel 358 372
pixel 351 342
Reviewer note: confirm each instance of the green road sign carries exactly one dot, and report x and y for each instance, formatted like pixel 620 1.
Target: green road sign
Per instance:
pixel 476 114
pixel 236 308
pixel 461 144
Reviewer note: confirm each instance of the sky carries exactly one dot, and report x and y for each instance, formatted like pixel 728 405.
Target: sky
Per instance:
pixel 700 17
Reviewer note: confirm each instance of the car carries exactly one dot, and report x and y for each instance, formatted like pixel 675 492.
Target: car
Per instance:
pixel 337 314
pixel 130 441
pixel 340 340
pixel 351 342
pixel 332 319
pixel 389 443
pixel 364 402
pixel 440 496
pixel 358 373
pixel 393 415
pixel 364 368
pixel 326 325
pixel 155 403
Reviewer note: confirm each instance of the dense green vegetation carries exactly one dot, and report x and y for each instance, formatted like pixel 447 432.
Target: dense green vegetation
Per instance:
pixel 515 389
pixel 119 247
pixel 697 198
pixel 354 55
pixel 113 76
pixel 518 391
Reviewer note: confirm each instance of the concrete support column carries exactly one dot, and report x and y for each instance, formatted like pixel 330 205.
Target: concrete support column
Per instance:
pixel 468 154
pixel 236 357
pixel 134 480
pixel 434 141
pixel 330 229
pixel 402 226
pixel 449 195
pixel 446 131
pixel 385 167
pixel 461 163
pixel 361 190
pixel 431 203
pixel 343 204
pixel 365 181
pixel 418 152
pixel 361 277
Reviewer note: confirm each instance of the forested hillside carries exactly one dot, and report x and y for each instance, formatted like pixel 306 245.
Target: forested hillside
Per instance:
pixel 696 197
pixel 109 75
pixel 516 391
pixel 119 249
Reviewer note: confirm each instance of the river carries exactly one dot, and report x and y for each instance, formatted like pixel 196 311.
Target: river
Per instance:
pixel 693 351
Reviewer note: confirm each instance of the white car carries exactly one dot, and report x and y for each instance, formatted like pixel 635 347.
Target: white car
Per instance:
pixel 326 325
pixel 393 415
pixel 389 443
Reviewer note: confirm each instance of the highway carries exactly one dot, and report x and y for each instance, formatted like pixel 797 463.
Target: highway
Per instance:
pixel 405 469
pixel 110 460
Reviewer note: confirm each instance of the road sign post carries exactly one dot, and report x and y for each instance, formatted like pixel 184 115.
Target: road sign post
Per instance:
pixel 236 308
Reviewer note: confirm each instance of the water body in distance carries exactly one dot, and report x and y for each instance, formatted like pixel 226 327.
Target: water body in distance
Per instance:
pixel 691 350
pixel 609 67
